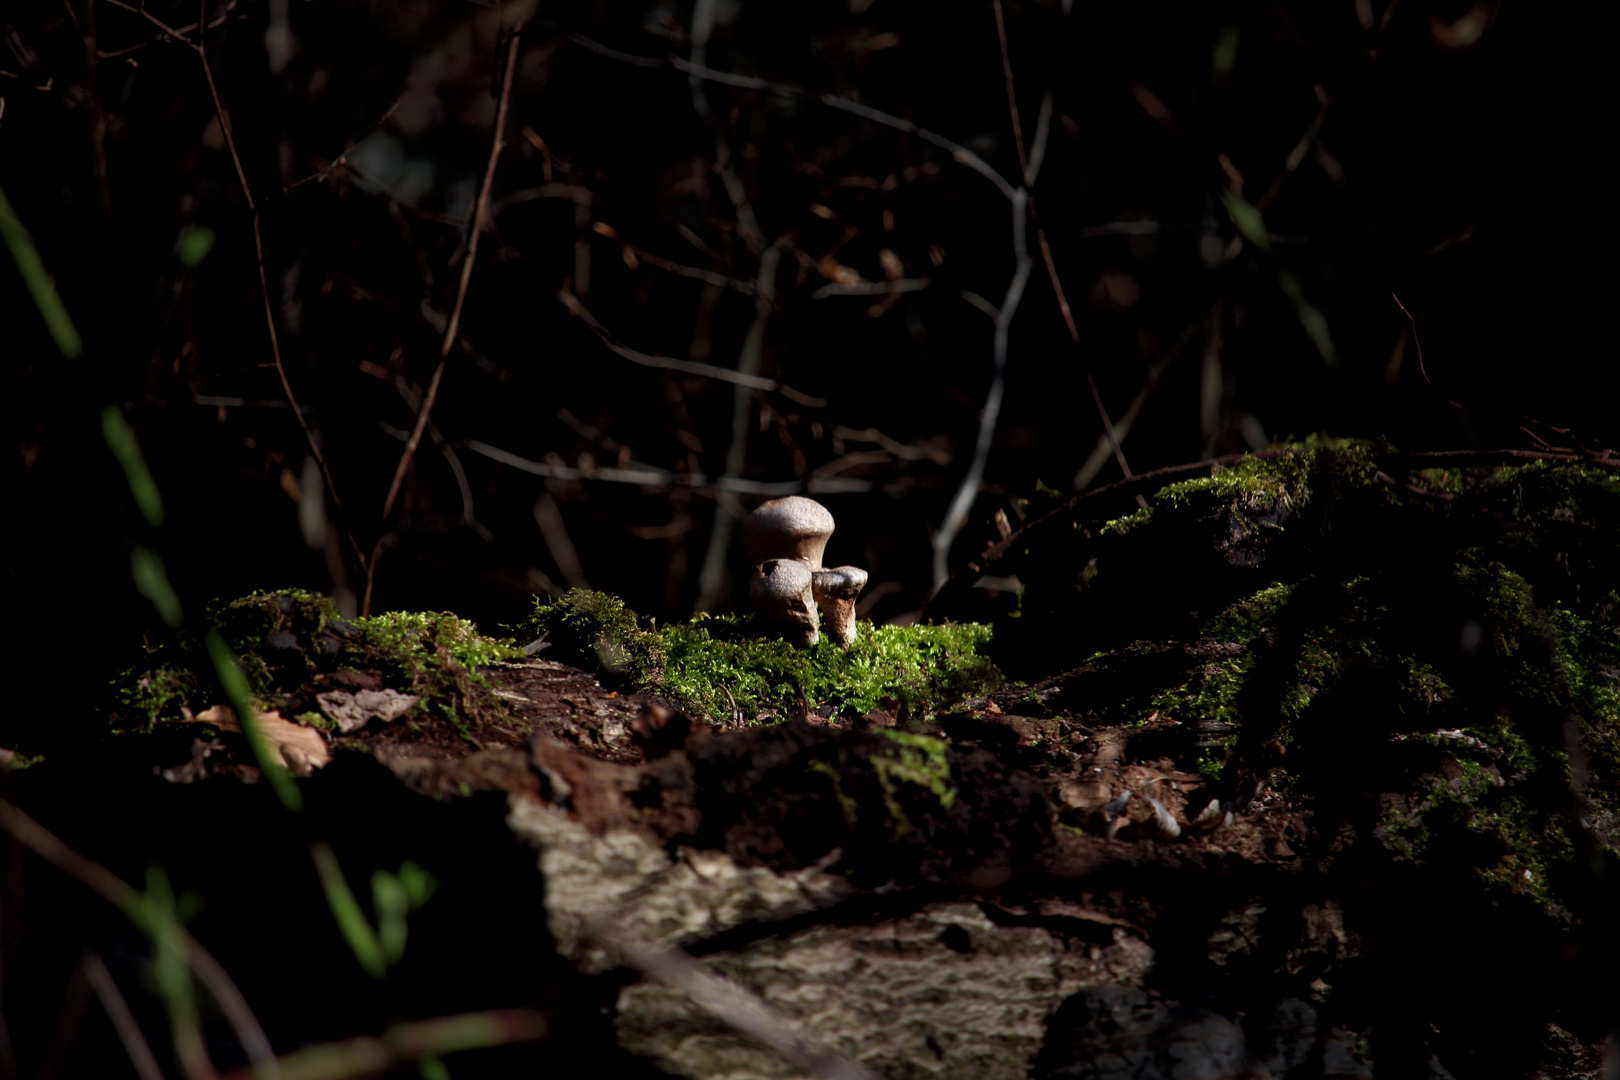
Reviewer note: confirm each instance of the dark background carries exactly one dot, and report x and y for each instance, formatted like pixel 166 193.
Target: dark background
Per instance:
pixel 1438 151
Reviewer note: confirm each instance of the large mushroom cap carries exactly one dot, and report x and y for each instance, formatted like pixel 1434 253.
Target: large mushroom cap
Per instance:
pixel 790 528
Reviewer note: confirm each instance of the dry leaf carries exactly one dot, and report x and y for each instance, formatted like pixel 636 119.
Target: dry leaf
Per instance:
pixel 352 711
pixel 300 749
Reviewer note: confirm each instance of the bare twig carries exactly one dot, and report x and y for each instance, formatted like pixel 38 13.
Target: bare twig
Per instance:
pixel 123 1021
pixel 748 361
pixel 98 117
pixel 554 531
pixel 177 34
pixel 1150 382
pixel 648 476
pixel 956 514
pixel 337 163
pixel 744 379
pixel 960 153
pixel 1418 346
pixel 200 45
pixel 1012 94
pixel 1046 248
pixel 870 288
pixel 744 287
pixel 480 207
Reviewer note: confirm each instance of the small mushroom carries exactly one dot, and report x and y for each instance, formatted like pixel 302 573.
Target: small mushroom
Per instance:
pixel 781 592
pixel 790 528
pixel 835 592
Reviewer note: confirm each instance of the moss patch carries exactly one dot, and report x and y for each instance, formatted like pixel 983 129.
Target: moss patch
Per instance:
pixel 913 759
pixel 720 667
pixel 286 639
pixel 1431 635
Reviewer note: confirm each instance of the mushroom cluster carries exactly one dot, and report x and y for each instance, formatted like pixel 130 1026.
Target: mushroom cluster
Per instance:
pixel 785 539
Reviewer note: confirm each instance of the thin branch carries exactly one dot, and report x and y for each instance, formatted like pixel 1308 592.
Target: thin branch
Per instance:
pixel 449 341
pixel 1043 132
pixel 123 1021
pixel 1150 382
pixel 956 514
pixel 264 282
pixel 177 34
pixel 1046 253
pixel 554 531
pixel 574 193
pixel 689 367
pixel 648 476
pixel 871 288
pixel 748 362
pixel 169 32
pixel 960 153
pixel 1012 94
pixel 1418 345
pixel 661 263
pixel 336 163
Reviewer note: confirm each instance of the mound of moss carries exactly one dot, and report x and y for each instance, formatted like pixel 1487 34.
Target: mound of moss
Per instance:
pixel 1441 644
pixel 287 639
pixel 722 668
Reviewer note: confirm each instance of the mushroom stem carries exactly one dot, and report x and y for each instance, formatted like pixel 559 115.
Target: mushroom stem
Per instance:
pixel 835 592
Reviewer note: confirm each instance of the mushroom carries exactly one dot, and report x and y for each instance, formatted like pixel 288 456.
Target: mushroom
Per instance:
pixel 796 530
pixel 790 528
pixel 835 592
pixel 781 592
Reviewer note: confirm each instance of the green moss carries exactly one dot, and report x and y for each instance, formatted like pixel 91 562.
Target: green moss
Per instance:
pixel 158 691
pixel 412 637
pixel 597 632
pixel 1489 614
pixel 722 667
pixel 1246 618
pixel 1439 481
pixel 1284 481
pixel 1213 693
pixel 1509 839
pixel 914 759
pixel 717 667
pixel 1128 523
pixel 285 639
pixel 846 802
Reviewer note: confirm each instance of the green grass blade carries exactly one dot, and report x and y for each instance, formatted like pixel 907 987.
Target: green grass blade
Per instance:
pixel 39 282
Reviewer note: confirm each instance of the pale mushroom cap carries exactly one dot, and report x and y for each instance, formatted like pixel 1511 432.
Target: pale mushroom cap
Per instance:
pixel 790 528
pixel 835 592
pixel 840 581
